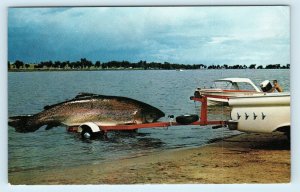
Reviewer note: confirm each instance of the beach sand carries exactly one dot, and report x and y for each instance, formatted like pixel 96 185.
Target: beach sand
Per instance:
pixel 246 158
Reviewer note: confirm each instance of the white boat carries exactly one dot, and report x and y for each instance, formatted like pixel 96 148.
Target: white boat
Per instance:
pixel 267 113
pixel 223 89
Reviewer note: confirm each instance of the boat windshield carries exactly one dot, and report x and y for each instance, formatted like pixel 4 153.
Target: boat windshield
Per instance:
pixel 228 85
pixel 245 86
pixel 224 85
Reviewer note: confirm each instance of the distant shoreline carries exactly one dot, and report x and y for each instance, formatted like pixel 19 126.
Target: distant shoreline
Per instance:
pixel 67 70
pixel 86 65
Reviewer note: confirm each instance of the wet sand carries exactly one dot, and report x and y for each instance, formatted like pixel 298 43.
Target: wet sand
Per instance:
pixel 246 158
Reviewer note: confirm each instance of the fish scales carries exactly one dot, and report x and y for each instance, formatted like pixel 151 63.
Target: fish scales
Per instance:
pixel 101 109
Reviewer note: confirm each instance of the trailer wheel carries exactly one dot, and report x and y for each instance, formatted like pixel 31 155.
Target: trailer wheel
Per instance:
pixel 86 133
pixel 288 134
pixel 187 119
pixel 89 130
pixel 286 130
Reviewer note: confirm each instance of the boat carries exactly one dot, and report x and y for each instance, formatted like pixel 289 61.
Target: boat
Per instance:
pixel 263 114
pixel 223 89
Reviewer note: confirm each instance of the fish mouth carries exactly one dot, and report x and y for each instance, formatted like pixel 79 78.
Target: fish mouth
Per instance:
pixel 159 114
pixel 153 117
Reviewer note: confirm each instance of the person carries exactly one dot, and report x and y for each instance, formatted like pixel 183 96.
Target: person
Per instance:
pixel 276 87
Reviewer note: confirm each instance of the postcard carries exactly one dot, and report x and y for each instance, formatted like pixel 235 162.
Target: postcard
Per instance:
pixel 148 95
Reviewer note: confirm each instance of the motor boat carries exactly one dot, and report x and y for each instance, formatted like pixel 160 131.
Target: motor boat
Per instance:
pixel 226 88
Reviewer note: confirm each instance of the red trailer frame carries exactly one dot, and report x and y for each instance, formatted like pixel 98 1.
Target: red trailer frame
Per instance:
pixel 202 122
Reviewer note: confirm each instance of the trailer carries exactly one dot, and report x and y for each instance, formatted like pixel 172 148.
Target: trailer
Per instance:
pixel 91 129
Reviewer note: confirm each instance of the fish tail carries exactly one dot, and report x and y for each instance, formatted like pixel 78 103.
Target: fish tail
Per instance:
pixel 23 123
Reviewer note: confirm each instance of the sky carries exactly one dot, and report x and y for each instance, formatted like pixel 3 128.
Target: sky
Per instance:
pixel 184 35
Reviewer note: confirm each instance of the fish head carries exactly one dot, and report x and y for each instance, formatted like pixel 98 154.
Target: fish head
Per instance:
pixel 152 115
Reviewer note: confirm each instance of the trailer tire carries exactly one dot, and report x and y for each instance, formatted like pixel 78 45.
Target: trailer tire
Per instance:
pixel 86 133
pixel 187 119
pixel 288 134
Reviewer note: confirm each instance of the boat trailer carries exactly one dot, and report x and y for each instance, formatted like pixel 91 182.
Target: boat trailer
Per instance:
pixel 203 121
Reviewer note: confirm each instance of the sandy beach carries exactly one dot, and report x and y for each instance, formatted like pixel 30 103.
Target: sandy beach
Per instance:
pixel 246 158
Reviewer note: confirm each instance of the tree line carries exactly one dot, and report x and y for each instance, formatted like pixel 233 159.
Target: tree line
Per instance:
pixel 83 63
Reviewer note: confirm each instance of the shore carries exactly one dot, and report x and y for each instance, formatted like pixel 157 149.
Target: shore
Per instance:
pixel 246 158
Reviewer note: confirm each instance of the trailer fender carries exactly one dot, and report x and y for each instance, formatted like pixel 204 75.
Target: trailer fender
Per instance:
pixel 88 130
pixel 89 125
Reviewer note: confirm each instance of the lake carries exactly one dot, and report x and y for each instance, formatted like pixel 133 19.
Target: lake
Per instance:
pixel 29 92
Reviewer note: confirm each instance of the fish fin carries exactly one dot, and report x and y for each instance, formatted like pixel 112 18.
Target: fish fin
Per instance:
pixel 23 123
pixel 50 126
pixel 47 107
pixel 83 95
pixel 18 117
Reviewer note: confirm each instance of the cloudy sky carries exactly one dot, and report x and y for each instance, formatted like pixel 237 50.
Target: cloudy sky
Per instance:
pixel 188 35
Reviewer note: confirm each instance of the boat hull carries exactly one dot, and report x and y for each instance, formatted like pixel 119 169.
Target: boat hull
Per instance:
pixel 221 97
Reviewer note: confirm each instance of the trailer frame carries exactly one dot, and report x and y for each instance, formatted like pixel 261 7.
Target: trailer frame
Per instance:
pixel 203 121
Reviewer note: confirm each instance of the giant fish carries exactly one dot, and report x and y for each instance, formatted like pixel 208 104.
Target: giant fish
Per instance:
pixel 88 107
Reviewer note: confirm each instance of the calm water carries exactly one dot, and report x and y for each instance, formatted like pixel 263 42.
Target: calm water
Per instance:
pixel 167 90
